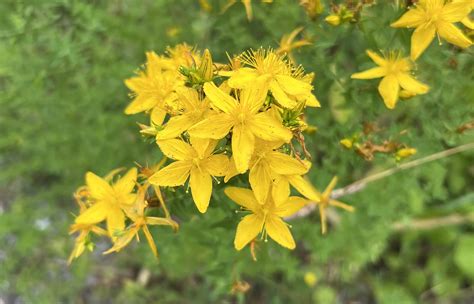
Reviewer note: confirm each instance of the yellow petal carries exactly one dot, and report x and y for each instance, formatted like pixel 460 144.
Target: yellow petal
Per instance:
pixel 372 73
pixel 290 206
pixel 126 184
pixel 248 229
pixel 453 35
pixel 150 240
pixel 253 96
pixel 203 146
pixel 94 214
pixel 456 11
pixel 141 103
pixel 175 126
pixel 157 116
pixel 283 99
pixel 280 190
pixel 285 164
pixel 115 221
pixel 215 127
pixel 376 58
pixel 421 39
pixel 304 187
pixel 98 187
pixel 268 128
pixel 260 181
pixel 231 170
pixel 243 142
pixel 243 197
pixel 468 23
pixel 122 241
pixel 176 149
pixel 172 175
pixel 279 232
pixel 219 98
pixel 216 165
pixel 201 188
pixel 292 85
pixel 412 85
pixel 413 18
pixel 242 77
pixel 388 89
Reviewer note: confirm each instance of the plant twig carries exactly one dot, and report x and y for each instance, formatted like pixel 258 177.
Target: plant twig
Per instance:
pixel 362 183
pixel 432 223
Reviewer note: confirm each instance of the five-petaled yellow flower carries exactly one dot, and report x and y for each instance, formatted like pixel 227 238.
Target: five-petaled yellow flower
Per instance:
pixel 195 161
pixel 109 201
pixel 395 71
pixel 242 117
pixel 266 218
pixel 266 165
pixel 435 17
pixel 136 213
pixel 287 84
pixel 324 200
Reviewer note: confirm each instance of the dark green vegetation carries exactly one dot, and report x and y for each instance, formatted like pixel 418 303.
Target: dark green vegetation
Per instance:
pixel 62 65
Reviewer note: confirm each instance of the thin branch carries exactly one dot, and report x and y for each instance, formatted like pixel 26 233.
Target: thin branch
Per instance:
pixel 362 183
pixel 433 223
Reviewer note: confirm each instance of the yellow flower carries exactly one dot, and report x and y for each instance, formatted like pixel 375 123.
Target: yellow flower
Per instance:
pixel 396 73
pixel 193 111
pixel 243 118
pixel 264 218
pixel 287 43
pixel 405 152
pixel 109 201
pixel 247 4
pixel 435 17
pixel 324 200
pixel 153 87
pixel 312 7
pixel 136 213
pixel 195 161
pixel 266 165
pixel 286 83
pixel 333 20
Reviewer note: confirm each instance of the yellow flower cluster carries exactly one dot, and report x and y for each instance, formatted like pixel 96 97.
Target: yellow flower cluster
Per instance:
pixel 430 18
pixel 211 121
pixel 102 201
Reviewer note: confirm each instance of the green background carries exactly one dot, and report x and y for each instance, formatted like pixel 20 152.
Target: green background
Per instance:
pixel 62 66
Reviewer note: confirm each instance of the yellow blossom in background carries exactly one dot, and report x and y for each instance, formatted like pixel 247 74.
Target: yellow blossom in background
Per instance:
pixel 288 43
pixel 243 118
pixel 286 83
pixel 195 161
pixel 435 17
pixel 405 152
pixel 395 73
pixel 247 4
pixel 313 8
pixel 310 279
pixel 333 20
pixel 324 200
pixel 266 218
pixel 109 201
pixel 136 213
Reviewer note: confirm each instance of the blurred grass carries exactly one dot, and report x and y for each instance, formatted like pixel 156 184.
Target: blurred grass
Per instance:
pixel 62 65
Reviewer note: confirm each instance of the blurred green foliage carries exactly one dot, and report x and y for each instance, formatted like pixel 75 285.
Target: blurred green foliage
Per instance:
pixel 62 65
